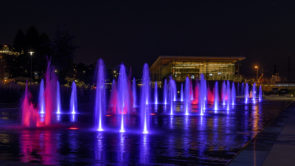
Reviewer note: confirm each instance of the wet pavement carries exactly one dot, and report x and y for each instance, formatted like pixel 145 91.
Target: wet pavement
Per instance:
pixel 275 145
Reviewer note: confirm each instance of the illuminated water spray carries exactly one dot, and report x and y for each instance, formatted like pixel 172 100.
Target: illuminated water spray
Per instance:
pixel 223 91
pixel 260 94
pixel 216 97
pixel 156 93
pixel 144 103
pixel 73 102
pixel 58 102
pixel 41 98
pixel 254 93
pixel 172 95
pixel 233 94
pixel 165 92
pixel 187 99
pixel 202 95
pixel 134 92
pixel 228 96
pixel 123 96
pixel 246 93
pixel 100 98
pixel 181 92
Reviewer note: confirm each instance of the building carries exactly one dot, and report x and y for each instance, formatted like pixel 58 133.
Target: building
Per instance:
pixel 5 51
pixel 179 67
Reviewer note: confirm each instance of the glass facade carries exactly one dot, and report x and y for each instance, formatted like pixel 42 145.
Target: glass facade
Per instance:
pixel 218 68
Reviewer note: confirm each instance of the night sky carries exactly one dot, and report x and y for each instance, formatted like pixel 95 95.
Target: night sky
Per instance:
pixel 140 31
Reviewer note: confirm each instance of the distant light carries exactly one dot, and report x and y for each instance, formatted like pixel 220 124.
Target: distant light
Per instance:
pixel 256 67
pixel 73 128
pixel 219 73
pixel 210 74
pixel 31 53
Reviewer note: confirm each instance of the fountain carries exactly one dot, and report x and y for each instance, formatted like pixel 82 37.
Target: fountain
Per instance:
pixel 123 96
pixel 246 93
pixel 58 102
pixel 223 91
pixel 187 99
pixel 175 91
pixel 73 102
pixel 254 93
pixel 260 94
pixel 165 92
pixel 181 92
pixel 228 96
pixel 41 98
pixel 233 94
pixel 100 98
pixel 202 94
pixel 156 93
pixel 216 97
pixel 30 115
pixel 144 103
pixel 47 102
pixel 134 92
pixel 171 95
pixel 191 90
pixel 50 95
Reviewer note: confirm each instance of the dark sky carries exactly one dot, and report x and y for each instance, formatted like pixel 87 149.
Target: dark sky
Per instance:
pixel 140 31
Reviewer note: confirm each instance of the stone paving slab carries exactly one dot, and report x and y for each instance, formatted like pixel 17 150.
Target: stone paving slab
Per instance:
pixel 283 151
pixel 274 146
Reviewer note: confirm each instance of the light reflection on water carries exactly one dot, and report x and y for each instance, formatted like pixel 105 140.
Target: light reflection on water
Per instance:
pixel 208 139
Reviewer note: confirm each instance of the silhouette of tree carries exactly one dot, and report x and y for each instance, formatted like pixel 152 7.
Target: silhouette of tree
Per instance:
pixel 63 53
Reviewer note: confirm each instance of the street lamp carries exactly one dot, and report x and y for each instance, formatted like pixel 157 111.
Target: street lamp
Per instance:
pixel 31 55
pixel 256 67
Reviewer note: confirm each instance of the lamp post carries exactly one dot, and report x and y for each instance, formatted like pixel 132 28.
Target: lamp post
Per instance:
pixel 256 67
pixel 31 55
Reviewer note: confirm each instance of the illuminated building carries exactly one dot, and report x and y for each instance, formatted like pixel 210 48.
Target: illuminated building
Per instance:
pixel 213 68
pixel 5 50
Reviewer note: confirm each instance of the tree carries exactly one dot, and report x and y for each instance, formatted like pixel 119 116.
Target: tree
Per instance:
pixel 63 53
pixel 19 41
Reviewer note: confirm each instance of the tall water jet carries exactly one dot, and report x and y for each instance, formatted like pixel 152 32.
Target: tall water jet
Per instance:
pixel 58 102
pixel 242 90
pixel 41 98
pixel 260 94
pixel 144 103
pixel 165 92
pixel 202 94
pixel 223 91
pixel 191 90
pixel 171 95
pixel 123 96
pixel 246 93
pixel 100 98
pixel 73 102
pixel 181 92
pixel 156 93
pixel 187 99
pixel 254 93
pixel 50 95
pixel 216 96
pixel 30 115
pixel 233 94
pixel 134 92
pixel 174 89
pixel 228 96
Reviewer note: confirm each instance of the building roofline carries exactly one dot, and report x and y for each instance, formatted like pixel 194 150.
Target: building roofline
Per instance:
pixel 197 58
